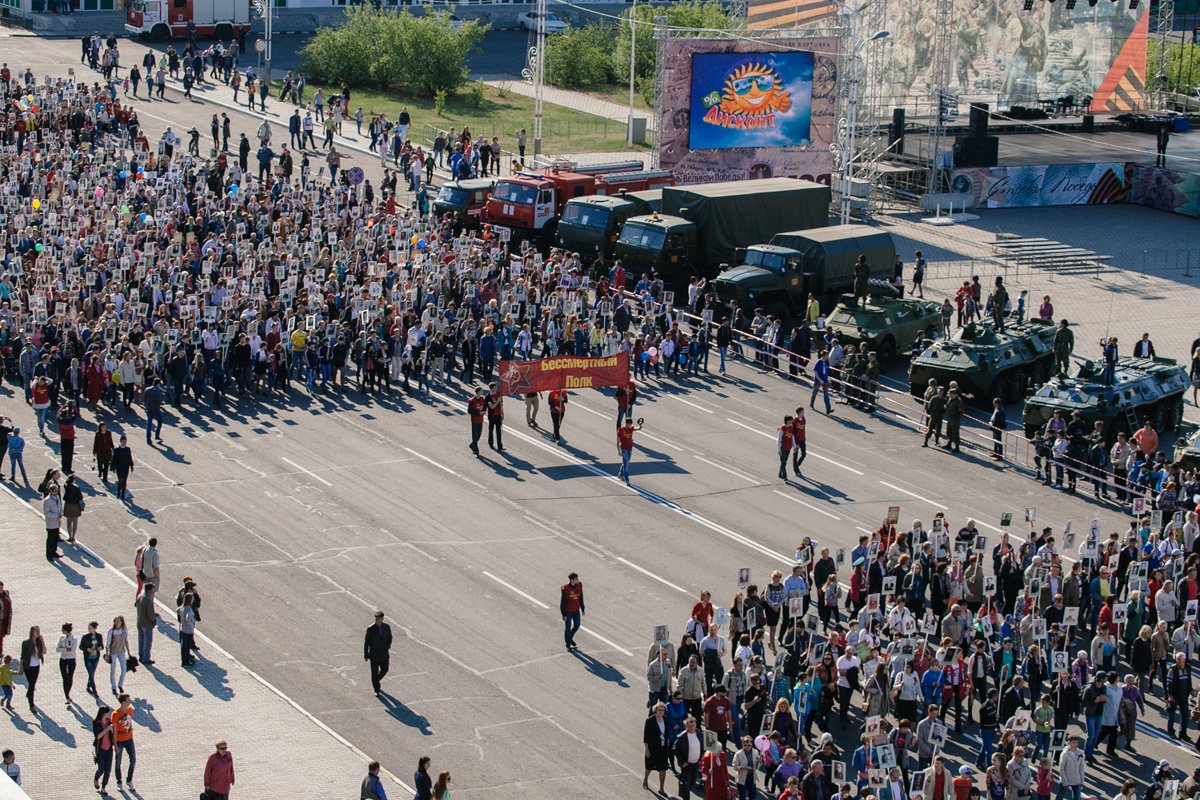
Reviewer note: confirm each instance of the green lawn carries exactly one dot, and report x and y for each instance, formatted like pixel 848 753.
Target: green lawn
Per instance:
pixel 618 95
pixel 564 130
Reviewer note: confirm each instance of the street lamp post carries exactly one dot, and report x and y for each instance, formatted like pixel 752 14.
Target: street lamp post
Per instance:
pixel 632 66
pixel 539 81
pixel 852 116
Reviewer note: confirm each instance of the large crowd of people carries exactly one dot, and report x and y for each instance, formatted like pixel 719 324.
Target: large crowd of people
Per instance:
pixel 138 274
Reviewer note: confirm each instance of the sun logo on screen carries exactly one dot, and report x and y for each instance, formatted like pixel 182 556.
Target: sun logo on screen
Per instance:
pixel 754 89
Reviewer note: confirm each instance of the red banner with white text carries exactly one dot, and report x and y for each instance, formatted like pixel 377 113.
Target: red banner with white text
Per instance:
pixel 563 372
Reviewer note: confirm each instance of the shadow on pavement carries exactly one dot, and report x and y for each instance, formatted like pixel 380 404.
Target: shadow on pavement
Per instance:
pixel 405 714
pixel 606 672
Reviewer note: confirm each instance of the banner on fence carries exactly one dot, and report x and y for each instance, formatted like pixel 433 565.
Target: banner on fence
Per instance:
pixel 563 372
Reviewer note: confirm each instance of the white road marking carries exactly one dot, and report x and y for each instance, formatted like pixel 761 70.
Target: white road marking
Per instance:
pixel 810 452
pixel 933 503
pixel 509 586
pixel 650 574
pixel 733 472
pixel 750 428
pixel 306 471
pixel 600 414
pixel 808 505
pixel 690 403
pixel 226 654
pixel 663 442
pixel 607 641
pixel 431 461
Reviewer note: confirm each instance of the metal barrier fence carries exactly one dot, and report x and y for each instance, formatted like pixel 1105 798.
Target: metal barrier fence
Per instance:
pixel 903 407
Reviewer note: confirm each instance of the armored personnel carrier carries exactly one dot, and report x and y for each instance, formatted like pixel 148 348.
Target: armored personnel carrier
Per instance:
pixel 1187 447
pixel 987 363
pixel 887 325
pixel 1145 389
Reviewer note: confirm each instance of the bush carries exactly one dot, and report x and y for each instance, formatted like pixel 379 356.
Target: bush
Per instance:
pixel 439 102
pixel 477 90
pixel 581 57
pixel 393 51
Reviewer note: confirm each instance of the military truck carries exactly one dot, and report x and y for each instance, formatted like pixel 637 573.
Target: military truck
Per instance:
pixel 987 363
pixel 1187 447
pixel 464 199
pixel 1144 389
pixel 702 226
pixel 779 276
pixel 589 224
pixel 887 325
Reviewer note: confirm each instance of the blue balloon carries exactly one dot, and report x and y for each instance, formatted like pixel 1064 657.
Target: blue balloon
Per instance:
pixel 421 244
pixel 645 356
pixel 143 217
pixel 124 174
pixel 683 358
pixel 233 188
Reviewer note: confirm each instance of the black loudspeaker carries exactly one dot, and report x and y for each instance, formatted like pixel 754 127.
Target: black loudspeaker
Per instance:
pixel 972 152
pixel 979 121
pixel 896 132
pixel 1089 123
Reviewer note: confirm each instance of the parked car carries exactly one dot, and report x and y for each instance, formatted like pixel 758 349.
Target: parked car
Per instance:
pixel 529 22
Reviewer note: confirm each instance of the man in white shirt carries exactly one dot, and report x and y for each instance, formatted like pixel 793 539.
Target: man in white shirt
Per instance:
pixel 688 749
pixel 848 668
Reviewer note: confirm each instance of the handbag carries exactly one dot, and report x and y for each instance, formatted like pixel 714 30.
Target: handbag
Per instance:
pixel 107 658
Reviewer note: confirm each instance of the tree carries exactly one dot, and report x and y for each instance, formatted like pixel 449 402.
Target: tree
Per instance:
pixel 581 56
pixel 381 48
pixel 708 17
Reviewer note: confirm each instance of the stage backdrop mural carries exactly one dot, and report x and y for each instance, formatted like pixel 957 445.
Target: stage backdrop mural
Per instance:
pixel 737 109
pixel 1045 185
pixel 1002 54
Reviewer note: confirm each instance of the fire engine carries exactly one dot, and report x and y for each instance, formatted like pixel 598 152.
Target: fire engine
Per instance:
pixel 161 20
pixel 530 203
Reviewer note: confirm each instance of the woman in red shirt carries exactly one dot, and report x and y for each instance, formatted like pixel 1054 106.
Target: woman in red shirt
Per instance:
pixel 702 614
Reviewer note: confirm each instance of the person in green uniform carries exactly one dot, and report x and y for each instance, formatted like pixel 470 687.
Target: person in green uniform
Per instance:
pixel 1064 343
pixel 954 414
pixel 999 301
pixel 849 389
pixel 862 274
pixel 871 379
pixel 859 379
pixel 935 407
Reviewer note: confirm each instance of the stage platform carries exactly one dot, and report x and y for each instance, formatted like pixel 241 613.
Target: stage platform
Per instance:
pixel 1060 141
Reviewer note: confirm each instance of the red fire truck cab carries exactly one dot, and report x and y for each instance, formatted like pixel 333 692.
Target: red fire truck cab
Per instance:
pixel 530 203
pixel 160 20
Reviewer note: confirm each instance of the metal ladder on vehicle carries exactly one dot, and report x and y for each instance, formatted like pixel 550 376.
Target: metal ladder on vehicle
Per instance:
pixel 1131 418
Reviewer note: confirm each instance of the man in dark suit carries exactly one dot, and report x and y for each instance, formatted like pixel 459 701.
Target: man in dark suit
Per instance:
pixel 689 747
pixel 1144 348
pixel 376 646
pixel 817 785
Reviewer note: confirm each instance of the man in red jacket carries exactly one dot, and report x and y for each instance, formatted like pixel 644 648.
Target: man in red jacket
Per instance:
pixel 783 442
pixel 218 773
pixel 475 408
pixel 626 395
pixel 558 407
pixel 570 605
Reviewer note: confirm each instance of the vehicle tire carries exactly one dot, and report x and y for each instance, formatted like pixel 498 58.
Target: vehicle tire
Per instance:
pixel 916 390
pixel 1175 415
pixel 223 32
pixel 1041 372
pixel 1016 387
pixel 1031 431
pixel 1158 415
pixel 160 33
pixel 1000 387
pixel 886 353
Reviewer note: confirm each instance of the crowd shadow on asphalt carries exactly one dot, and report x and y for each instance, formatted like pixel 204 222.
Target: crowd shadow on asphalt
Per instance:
pixel 143 714
pixel 818 490
pixel 604 671
pixel 404 714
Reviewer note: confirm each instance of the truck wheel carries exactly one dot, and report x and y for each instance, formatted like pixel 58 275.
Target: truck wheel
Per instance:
pixel 223 32
pixel 1174 413
pixel 160 33
pixel 779 310
pixel 1031 431
pixel 886 353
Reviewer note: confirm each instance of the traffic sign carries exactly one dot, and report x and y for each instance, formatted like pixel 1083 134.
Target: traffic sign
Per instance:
pixel 260 45
pixel 355 175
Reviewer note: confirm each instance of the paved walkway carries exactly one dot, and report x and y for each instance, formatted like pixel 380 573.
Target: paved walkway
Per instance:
pixel 279 749
pixel 578 101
